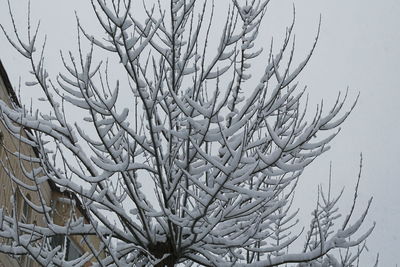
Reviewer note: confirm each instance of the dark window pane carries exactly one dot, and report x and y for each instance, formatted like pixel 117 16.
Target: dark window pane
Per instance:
pixel 73 252
pixel 57 240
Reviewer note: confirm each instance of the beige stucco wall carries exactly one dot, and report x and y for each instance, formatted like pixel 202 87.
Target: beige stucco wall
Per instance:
pixel 13 164
pixel 61 212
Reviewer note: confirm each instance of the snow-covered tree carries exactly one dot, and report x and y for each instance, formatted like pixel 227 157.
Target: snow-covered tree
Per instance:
pixel 194 158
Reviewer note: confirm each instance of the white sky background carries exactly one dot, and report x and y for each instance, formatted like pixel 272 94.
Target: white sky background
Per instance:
pixel 359 48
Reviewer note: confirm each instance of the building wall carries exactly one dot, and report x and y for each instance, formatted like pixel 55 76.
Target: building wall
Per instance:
pixel 66 206
pixel 12 163
pixel 62 210
pixel 8 189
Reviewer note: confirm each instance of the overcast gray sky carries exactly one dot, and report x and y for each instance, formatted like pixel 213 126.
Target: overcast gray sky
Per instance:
pixel 359 48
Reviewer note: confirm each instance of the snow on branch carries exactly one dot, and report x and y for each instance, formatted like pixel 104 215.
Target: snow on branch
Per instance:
pixel 193 158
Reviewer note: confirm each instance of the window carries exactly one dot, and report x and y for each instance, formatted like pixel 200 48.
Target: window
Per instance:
pixel 26 211
pixel 22 208
pixel 72 251
pixel 24 215
pixel 17 203
pixel 57 240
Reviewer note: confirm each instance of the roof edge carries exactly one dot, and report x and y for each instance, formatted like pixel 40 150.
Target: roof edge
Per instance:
pixel 7 83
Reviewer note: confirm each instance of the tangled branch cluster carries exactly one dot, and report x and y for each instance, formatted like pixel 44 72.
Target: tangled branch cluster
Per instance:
pixel 221 144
